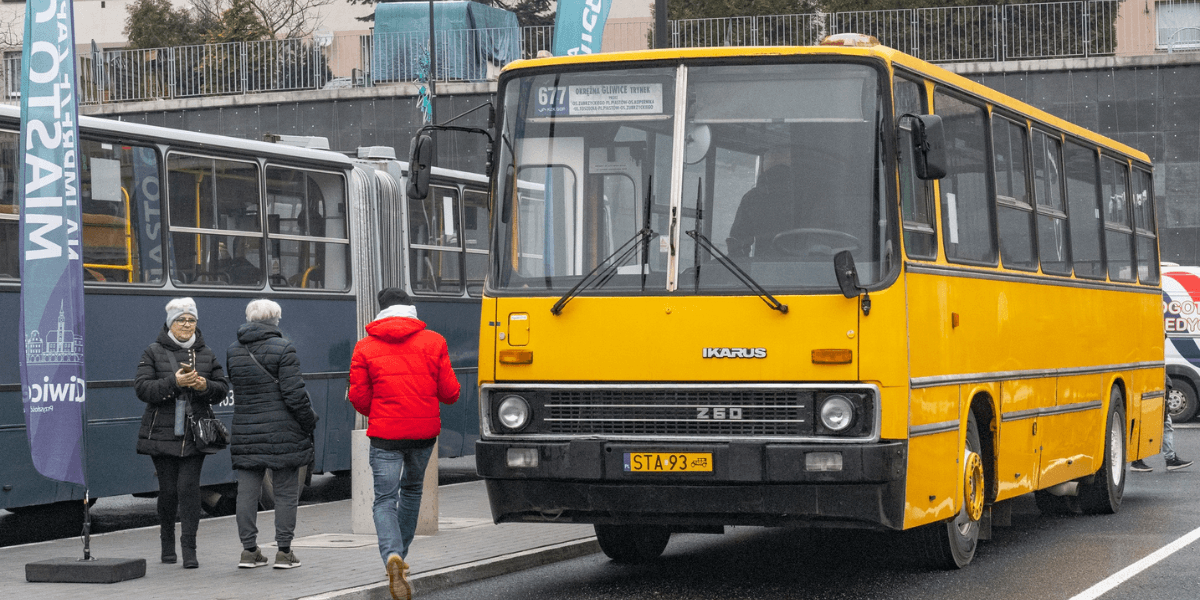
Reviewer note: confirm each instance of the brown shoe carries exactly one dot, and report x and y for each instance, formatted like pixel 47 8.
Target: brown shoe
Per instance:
pixel 398 578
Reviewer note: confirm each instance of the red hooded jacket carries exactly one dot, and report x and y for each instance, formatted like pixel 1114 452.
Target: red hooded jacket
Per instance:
pixel 398 374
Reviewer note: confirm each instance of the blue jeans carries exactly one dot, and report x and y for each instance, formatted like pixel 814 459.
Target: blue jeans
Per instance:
pixel 399 479
pixel 1168 437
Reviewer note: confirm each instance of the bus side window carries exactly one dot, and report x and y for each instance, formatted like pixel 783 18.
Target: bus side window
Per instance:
pixel 10 205
pixel 435 246
pixel 216 229
pixel 1144 227
pixel 1014 213
pixel 121 211
pixel 475 239
pixel 1051 212
pixel 967 230
pixel 306 223
pixel 920 234
pixel 1083 211
pixel 1118 235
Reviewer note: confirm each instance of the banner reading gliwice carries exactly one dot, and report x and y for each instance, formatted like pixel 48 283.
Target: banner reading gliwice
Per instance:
pixel 52 370
pixel 579 26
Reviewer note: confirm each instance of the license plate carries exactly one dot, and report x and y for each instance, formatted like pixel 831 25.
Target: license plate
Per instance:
pixel 668 462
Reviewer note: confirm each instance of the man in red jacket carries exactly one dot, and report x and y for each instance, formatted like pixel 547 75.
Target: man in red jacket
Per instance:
pixel 398 375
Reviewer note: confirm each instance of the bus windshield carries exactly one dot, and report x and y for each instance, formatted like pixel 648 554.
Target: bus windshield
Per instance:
pixel 779 166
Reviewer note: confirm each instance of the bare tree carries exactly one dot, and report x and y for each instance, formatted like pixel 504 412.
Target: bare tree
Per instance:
pixel 283 18
pixel 12 27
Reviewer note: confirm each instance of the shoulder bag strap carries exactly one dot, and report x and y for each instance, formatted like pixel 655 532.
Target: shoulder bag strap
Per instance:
pixel 252 357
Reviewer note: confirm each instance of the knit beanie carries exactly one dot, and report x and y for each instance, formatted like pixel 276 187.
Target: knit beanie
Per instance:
pixel 181 306
pixel 391 297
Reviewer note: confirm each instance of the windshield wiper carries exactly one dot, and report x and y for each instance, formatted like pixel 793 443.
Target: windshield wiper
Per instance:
pixel 737 271
pixel 604 270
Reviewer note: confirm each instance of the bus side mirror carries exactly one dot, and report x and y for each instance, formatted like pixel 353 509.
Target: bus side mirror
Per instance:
pixel 420 163
pixel 847 278
pixel 847 273
pixel 929 146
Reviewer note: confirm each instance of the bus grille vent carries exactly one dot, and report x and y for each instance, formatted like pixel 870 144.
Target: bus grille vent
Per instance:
pixel 683 412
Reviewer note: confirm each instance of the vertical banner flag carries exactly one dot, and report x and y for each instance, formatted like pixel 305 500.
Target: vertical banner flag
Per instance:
pixel 579 26
pixel 52 373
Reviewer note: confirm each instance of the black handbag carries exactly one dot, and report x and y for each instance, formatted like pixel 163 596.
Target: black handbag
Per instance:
pixel 209 433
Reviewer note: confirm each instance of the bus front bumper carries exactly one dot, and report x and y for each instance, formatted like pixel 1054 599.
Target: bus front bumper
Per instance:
pixel 751 483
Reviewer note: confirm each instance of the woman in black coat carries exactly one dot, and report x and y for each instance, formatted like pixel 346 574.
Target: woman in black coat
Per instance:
pixel 177 376
pixel 273 423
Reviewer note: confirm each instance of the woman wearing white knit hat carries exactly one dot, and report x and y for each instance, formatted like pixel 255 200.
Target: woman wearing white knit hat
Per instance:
pixel 178 376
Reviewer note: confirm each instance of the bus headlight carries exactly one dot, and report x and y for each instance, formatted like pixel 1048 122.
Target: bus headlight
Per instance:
pixel 513 413
pixel 837 413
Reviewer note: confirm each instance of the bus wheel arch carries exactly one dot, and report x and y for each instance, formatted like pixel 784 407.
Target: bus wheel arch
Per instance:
pixel 951 544
pixel 1103 494
pixel 988 428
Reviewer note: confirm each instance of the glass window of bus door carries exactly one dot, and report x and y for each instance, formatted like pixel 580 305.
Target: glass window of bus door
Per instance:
pixel 10 208
pixel 967 230
pixel 813 134
pixel 121 213
pixel 435 244
pixel 1118 232
pixel 549 228
pixel 475 239
pixel 1053 247
pixel 1144 227
pixel 916 196
pixel 306 226
pixel 1083 211
pixel 1014 212
pixel 215 221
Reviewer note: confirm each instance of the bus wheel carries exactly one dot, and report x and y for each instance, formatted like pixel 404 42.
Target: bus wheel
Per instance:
pixel 951 544
pixel 632 544
pixel 1181 400
pixel 1103 495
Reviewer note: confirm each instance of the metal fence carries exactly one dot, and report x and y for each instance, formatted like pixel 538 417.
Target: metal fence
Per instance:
pixel 1078 28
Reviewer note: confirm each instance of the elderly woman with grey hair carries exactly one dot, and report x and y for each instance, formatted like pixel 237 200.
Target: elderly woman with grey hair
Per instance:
pixel 273 424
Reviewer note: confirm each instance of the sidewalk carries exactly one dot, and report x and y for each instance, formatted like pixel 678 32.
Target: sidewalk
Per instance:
pixel 336 563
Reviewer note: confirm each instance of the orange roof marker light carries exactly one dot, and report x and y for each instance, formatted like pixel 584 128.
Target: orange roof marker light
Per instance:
pixel 850 40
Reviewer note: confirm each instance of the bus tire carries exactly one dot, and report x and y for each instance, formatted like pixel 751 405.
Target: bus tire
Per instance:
pixel 1103 495
pixel 632 544
pixel 951 544
pixel 1181 400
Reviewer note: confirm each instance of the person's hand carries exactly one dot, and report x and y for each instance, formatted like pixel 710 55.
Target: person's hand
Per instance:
pixel 187 378
pixel 201 384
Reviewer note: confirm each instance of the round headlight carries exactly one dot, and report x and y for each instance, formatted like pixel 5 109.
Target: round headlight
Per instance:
pixel 837 413
pixel 513 412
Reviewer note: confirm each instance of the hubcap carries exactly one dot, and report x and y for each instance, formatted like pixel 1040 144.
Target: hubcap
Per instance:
pixel 1116 458
pixel 973 485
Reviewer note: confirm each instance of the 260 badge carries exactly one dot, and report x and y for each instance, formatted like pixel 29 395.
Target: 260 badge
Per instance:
pixel 668 462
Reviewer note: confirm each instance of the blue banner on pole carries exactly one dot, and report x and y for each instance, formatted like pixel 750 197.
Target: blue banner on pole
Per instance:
pixel 579 26
pixel 53 386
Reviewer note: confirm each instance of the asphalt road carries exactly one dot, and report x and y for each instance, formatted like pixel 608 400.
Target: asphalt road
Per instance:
pixel 1072 557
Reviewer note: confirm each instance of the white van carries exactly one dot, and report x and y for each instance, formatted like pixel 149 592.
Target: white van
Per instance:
pixel 1181 321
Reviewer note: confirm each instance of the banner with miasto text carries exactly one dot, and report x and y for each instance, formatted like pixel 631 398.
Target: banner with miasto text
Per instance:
pixel 579 26
pixel 52 373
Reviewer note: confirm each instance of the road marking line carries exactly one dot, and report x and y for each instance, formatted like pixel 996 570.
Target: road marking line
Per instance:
pixel 1128 572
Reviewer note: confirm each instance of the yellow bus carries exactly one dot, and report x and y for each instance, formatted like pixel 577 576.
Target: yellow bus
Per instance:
pixel 828 286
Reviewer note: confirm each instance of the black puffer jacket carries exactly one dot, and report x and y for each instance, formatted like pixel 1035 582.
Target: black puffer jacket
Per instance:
pixel 155 385
pixel 272 423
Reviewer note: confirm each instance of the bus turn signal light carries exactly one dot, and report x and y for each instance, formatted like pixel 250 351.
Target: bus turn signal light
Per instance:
pixel 832 356
pixel 516 357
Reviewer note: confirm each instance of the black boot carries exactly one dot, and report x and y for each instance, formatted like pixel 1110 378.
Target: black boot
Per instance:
pixel 188 545
pixel 167 534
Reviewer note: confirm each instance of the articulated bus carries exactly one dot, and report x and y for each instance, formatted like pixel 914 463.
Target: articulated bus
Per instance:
pixel 316 231
pixel 828 286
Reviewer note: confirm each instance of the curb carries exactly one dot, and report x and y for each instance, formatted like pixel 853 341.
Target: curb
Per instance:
pixel 432 581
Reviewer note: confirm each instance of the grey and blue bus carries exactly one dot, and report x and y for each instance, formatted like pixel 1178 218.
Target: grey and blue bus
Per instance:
pixel 170 213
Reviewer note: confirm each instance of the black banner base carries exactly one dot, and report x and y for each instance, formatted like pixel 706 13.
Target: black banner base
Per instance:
pixel 74 570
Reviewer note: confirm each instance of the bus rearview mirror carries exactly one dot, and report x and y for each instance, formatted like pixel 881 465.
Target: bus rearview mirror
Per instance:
pixel 929 146
pixel 420 163
pixel 847 273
